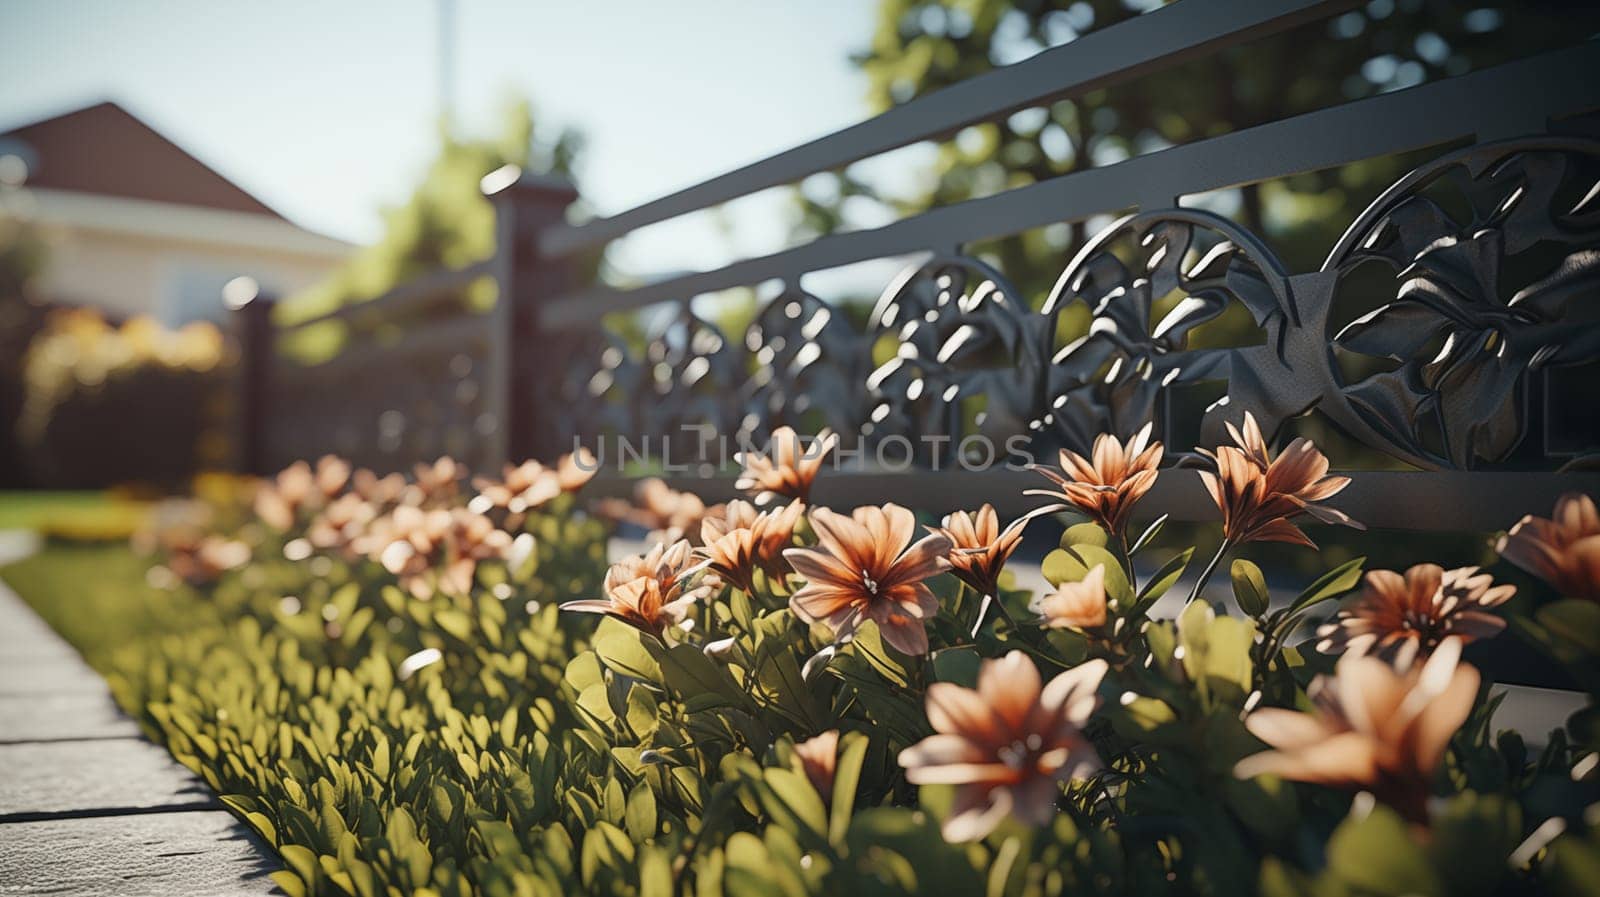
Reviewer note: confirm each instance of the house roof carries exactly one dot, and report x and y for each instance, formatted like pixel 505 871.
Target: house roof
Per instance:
pixel 104 149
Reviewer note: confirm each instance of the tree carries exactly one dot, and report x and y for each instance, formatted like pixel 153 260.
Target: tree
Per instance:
pixel 923 45
pixel 21 258
pixel 447 222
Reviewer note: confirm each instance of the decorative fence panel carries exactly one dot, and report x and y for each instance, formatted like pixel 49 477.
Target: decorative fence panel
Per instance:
pixel 1470 366
pixel 393 394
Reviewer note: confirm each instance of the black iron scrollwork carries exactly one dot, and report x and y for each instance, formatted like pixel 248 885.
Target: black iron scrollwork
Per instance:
pixel 1495 254
pixel 965 357
pixel 1492 271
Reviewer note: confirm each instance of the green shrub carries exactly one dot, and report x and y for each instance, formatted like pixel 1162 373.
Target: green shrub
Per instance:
pixel 424 719
pixel 21 315
pixel 107 405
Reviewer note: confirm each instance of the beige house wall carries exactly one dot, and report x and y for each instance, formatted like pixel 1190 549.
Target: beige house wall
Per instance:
pixel 133 257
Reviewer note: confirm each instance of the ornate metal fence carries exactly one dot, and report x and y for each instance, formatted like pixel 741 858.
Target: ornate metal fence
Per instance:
pixel 1473 369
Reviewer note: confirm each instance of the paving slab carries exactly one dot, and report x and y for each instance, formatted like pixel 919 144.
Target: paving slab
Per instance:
pixel 47 675
pixel 94 777
pixel 196 854
pixel 23 635
pixel 62 717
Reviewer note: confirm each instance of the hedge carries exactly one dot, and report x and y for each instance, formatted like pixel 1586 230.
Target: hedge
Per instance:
pixel 397 702
pixel 155 394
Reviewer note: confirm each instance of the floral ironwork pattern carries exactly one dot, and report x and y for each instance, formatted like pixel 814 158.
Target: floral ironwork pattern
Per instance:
pixel 1481 300
pixel 1487 288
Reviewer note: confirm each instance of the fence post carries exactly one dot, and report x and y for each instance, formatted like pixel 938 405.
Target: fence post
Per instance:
pixel 250 310
pixel 521 361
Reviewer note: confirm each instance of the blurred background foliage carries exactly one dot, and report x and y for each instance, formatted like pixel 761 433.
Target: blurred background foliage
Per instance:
pixel 107 404
pixel 922 46
pixel 446 223
pixel 21 256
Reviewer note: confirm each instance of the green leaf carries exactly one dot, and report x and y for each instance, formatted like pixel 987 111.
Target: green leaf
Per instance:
pixel 1572 867
pixel 1058 567
pixel 1573 621
pixel 868 645
pixel 641 812
pixel 846 778
pixel 1149 535
pixel 1163 580
pixel 1266 804
pixel 958 665
pixel 380 756
pixel 779 673
pixel 1148 714
pixel 1001 871
pixel 691 673
pixel 1376 855
pixel 655 872
pixel 584 671
pixel 643 715
pixel 301 860
pixel 621 647
pixel 794 798
pixel 262 824
pixel 749 869
pixel 594 707
pixel 1249 587
pixel 1084 534
pixel 1071 648
pixel 1334 583
pixel 454 622
pixel 1216 652
pixel 604 847
pixel 289 883
pixel 1073 564
pixel 1471 837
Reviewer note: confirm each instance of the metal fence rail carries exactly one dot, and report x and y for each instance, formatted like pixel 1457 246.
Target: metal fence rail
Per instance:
pixel 1160 39
pixel 1457 370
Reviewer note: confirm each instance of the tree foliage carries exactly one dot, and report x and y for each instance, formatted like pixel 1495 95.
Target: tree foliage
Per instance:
pixel 446 222
pixel 922 46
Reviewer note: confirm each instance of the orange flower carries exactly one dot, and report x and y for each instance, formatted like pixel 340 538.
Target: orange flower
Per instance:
pixel 1564 551
pixel 381 491
pixel 1399 617
pixel 819 757
pixel 297 487
pixel 646 591
pixel 1008 745
pixel 979 549
pixel 1075 605
pixel 742 540
pixel 791 468
pixel 342 524
pixel 575 469
pixel 203 561
pixel 1257 494
pixel 668 514
pixel 438 483
pixel 1106 488
pixel 1373 728
pixel 865 566
pixel 521 487
pixel 437 549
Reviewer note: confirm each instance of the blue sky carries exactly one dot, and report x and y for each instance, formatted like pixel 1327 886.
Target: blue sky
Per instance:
pixel 326 110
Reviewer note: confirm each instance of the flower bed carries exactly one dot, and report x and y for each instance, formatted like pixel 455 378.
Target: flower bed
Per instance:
pixel 408 686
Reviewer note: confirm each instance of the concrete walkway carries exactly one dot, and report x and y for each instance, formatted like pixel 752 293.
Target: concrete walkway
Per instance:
pixel 87 804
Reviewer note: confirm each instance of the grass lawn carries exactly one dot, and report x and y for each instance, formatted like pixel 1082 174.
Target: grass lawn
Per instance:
pixel 95 611
pixel 78 515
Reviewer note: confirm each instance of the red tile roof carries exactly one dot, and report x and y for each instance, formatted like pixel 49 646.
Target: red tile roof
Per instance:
pixel 104 149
